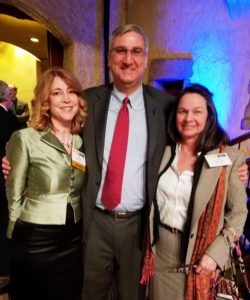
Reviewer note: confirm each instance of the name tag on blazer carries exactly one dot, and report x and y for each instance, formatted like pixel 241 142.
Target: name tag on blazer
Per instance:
pixel 218 160
pixel 78 160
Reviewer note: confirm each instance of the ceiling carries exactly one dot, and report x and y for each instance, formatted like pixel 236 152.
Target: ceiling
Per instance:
pixel 17 28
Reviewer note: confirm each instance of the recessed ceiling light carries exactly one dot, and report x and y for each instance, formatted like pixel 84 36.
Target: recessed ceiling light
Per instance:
pixel 34 40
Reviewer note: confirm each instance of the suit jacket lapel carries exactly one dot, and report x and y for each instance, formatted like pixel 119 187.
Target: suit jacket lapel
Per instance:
pixel 152 121
pixel 100 108
pixel 205 188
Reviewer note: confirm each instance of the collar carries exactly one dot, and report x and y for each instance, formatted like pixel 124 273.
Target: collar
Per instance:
pixel 178 149
pixel 3 107
pixel 49 138
pixel 136 98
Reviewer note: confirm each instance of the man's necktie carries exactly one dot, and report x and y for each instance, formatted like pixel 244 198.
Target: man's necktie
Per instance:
pixel 112 188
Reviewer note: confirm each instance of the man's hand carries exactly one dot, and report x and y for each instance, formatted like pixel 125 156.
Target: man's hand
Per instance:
pixel 243 173
pixel 5 167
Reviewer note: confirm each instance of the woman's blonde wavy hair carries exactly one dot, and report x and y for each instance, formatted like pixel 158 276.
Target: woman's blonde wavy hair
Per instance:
pixel 40 119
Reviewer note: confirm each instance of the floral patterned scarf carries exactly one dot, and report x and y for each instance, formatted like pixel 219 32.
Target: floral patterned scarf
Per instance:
pixel 198 285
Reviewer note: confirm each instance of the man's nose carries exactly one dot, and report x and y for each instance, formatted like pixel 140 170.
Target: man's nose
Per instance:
pixel 128 58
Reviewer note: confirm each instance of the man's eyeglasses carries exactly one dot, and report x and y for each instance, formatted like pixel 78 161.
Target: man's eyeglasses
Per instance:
pixel 122 51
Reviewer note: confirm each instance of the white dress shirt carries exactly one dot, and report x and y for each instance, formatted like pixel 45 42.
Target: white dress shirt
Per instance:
pixel 173 194
pixel 133 186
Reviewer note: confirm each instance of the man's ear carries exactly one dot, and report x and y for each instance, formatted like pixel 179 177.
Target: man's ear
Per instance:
pixel 109 58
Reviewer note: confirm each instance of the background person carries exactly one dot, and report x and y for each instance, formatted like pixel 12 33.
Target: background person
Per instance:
pixel 9 124
pixel 19 108
pixel 45 221
pixel 198 208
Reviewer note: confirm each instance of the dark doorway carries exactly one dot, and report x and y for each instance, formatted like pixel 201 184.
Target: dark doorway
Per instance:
pixel 49 50
pixel 173 87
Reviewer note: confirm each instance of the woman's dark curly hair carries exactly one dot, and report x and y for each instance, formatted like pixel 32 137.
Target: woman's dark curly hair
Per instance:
pixel 213 134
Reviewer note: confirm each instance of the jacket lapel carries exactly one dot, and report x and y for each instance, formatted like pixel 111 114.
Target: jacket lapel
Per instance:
pixel 152 121
pixel 77 142
pixel 205 188
pixel 165 159
pixel 51 140
pixel 100 111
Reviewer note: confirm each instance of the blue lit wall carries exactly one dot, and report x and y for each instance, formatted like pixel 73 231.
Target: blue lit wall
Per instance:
pixel 217 36
pixel 210 72
pixel 239 8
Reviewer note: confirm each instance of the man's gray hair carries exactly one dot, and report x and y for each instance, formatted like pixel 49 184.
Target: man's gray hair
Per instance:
pixel 12 86
pixel 4 91
pixel 122 29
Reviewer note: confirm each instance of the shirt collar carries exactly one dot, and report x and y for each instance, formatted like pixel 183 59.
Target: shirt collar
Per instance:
pixel 136 98
pixel 178 149
pixel 3 107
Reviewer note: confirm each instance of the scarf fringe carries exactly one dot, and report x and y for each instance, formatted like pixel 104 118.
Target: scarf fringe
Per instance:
pixel 148 267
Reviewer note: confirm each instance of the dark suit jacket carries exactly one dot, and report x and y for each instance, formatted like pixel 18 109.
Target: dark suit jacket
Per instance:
pixel 157 105
pixel 9 123
pixel 21 110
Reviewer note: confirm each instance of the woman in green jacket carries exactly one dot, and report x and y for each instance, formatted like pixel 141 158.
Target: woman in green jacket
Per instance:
pixel 43 191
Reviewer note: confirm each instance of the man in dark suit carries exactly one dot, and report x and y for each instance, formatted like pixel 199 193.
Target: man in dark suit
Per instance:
pixel 9 124
pixel 114 238
pixel 19 108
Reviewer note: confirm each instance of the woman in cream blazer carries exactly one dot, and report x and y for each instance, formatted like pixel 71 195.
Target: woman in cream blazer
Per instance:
pixel 43 191
pixel 187 185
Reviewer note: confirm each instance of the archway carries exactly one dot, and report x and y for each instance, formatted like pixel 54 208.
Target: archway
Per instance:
pixel 18 28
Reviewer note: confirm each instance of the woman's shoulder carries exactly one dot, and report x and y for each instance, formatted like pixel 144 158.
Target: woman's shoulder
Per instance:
pixel 233 152
pixel 230 150
pixel 27 134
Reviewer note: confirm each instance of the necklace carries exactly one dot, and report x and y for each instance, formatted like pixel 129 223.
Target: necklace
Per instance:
pixel 66 142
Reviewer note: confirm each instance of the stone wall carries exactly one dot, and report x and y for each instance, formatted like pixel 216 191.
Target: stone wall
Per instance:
pixel 217 43
pixel 77 25
pixel 205 31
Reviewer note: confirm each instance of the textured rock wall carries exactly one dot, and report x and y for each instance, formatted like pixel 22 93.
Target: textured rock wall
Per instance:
pixel 202 30
pixel 218 44
pixel 77 24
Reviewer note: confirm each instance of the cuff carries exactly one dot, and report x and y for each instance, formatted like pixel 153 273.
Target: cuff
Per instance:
pixel 10 229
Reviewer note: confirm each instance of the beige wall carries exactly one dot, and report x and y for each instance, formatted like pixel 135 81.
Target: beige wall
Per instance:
pixel 77 25
pixel 174 27
pixel 194 27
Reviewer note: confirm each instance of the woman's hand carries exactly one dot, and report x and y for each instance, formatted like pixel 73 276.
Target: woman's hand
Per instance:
pixel 5 167
pixel 243 173
pixel 206 266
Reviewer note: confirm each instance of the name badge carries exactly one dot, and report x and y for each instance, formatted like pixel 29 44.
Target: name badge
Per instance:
pixel 218 160
pixel 78 160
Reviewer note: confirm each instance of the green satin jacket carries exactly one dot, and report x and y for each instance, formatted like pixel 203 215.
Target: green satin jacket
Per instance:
pixel 42 181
